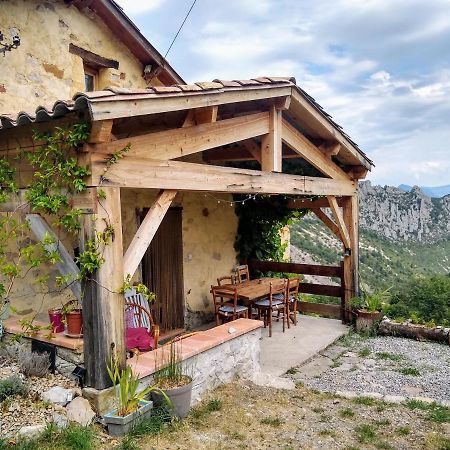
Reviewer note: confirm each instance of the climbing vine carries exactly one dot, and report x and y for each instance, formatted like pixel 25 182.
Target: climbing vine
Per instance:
pixel 261 221
pixel 57 177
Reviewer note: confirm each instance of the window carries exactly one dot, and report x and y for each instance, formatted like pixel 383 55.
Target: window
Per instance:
pixel 90 79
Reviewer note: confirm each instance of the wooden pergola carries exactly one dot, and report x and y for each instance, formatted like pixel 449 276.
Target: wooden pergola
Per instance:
pixel 265 120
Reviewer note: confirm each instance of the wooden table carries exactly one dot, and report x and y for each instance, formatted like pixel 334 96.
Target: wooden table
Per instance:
pixel 250 291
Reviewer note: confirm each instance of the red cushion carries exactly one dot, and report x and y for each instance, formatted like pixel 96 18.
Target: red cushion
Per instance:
pixel 139 338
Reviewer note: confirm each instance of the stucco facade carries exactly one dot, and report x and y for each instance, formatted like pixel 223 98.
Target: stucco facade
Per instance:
pixel 42 69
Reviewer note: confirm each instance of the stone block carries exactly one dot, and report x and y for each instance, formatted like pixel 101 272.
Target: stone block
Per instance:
pixel 103 400
pixel 79 410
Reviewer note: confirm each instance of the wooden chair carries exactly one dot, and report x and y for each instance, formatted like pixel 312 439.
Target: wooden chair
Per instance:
pixel 292 299
pixel 138 315
pixel 275 302
pixel 242 273
pixel 226 306
pixel 228 279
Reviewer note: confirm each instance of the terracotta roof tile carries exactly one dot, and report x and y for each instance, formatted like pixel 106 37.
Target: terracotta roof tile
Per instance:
pixel 166 89
pixel 189 87
pixel 226 83
pixel 207 85
pixel 248 82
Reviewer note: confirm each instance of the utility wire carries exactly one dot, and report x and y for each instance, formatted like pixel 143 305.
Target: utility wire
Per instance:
pixel 179 29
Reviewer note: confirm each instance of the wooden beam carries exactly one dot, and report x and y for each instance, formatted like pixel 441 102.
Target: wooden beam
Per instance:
pixel 351 262
pixel 340 222
pixel 147 231
pixel 100 131
pixel 328 222
pixel 253 148
pixel 294 139
pixel 93 59
pixel 303 203
pixel 183 176
pixel 271 149
pixel 179 142
pixel 103 304
pixel 151 105
pixel 330 149
pixel 67 266
pixel 282 103
pixel 207 114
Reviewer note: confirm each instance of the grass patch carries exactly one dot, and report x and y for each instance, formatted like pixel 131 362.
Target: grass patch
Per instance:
pixel 387 355
pixel 299 385
pixel 272 421
pixel 363 353
pixel 437 442
pixel 157 422
pixel 127 443
pixel 206 408
pixel 365 434
pixel 291 371
pixel 412 371
pixel 403 431
pixel 346 413
pixel 236 436
pixel 384 446
pixel 326 433
pixel 382 422
pixel 439 414
pixel 367 401
pixel 318 410
pixel 417 404
pixel 335 364
pixel 11 387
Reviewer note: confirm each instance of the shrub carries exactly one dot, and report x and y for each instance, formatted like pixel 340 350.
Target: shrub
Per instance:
pixel 33 364
pixel 425 300
pixel 12 386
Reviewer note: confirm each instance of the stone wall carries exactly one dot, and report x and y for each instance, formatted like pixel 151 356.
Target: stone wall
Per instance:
pixel 42 70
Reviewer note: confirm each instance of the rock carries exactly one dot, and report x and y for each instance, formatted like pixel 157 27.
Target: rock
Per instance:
pixel 424 399
pixel 397 399
pixel 374 395
pixel 347 394
pixel 58 395
pixel 59 420
pixel 267 380
pixel 79 410
pixel 31 431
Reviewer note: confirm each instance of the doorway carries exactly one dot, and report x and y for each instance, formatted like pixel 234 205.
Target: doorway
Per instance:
pixel 162 271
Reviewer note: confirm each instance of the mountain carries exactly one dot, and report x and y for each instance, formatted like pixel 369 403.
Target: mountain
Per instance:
pixel 402 234
pixel 434 192
pixel 406 216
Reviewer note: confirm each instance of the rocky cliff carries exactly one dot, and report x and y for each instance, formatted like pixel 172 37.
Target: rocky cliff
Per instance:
pixel 410 216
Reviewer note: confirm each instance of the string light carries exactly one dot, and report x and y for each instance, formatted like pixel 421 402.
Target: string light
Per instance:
pixel 251 197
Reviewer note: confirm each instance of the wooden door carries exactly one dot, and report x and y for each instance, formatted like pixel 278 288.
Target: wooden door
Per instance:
pixel 162 271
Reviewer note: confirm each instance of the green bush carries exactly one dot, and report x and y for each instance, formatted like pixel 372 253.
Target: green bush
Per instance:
pixel 12 386
pixel 424 300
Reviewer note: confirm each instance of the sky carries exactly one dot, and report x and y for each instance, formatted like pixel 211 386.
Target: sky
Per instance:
pixel 380 68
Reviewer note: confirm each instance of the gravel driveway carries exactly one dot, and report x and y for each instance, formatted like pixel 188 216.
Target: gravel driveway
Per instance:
pixel 384 365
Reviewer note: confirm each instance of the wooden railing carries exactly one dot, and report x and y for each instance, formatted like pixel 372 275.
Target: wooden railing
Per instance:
pixel 323 309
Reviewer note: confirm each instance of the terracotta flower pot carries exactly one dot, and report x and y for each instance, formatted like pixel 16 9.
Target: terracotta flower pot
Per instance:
pixel 56 319
pixel 74 321
pixel 365 320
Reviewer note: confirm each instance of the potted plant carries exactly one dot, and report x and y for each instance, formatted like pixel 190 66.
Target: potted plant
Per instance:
pixel 132 405
pixel 172 379
pixel 56 318
pixel 368 307
pixel 73 317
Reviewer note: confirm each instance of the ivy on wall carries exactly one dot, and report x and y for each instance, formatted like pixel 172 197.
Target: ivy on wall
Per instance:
pixel 261 221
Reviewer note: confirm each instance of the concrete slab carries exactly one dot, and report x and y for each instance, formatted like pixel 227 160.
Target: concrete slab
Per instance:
pixel 298 344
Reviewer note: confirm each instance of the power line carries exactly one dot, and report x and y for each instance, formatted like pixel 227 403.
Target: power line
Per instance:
pixel 179 29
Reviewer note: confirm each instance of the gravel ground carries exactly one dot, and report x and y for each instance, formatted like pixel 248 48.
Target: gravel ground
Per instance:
pixel 385 365
pixel 252 417
pixel 19 412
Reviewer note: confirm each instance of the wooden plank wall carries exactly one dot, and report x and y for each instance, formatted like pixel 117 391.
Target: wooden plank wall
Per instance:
pixel 333 311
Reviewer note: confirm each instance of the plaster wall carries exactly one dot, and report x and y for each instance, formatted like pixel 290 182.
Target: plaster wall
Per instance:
pixel 42 70
pixel 209 231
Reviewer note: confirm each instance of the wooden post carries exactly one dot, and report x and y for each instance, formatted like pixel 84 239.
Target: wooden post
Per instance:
pixel 351 262
pixel 103 305
pixel 271 151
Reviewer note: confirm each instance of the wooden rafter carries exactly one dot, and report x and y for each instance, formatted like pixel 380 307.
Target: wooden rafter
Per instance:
pixel 311 153
pixel 144 235
pixel 271 149
pixel 253 148
pixel 179 142
pixel 176 175
pixel 328 222
pixel 100 131
pixel 339 221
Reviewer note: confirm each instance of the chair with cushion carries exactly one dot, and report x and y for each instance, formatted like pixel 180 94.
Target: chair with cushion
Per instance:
pixel 275 302
pixel 141 333
pixel 242 273
pixel 226 305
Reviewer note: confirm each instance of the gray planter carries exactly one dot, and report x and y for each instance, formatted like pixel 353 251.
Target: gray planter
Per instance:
pixel 118 426
pixel 180 397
